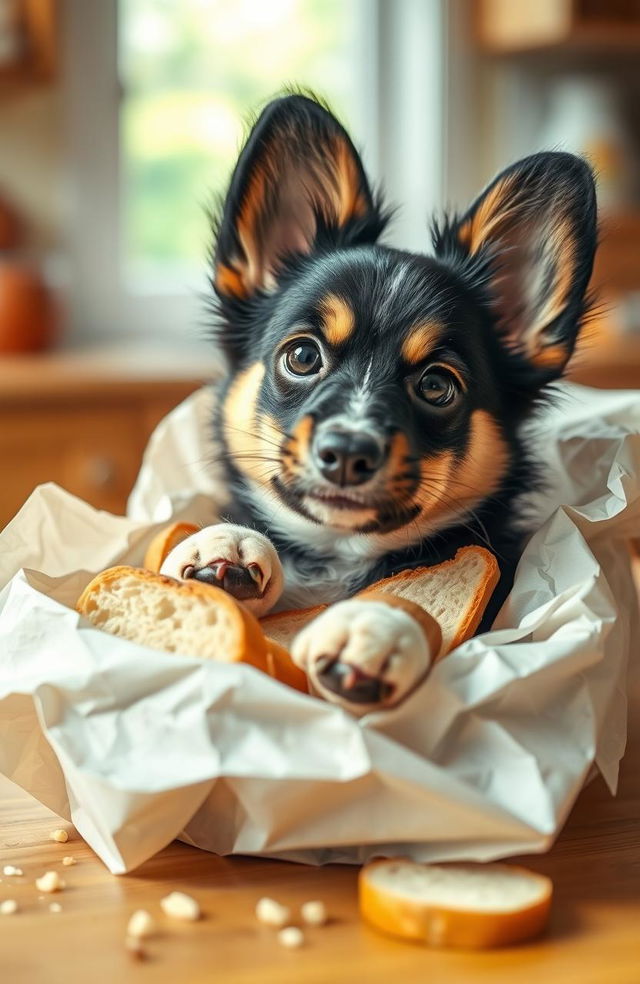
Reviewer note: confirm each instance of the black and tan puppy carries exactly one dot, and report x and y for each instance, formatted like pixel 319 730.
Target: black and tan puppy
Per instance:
pixel 371 415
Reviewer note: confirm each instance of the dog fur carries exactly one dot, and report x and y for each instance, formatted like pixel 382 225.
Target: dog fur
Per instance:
pixel 498 304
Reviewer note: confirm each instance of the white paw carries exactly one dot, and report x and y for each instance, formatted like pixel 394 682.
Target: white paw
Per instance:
pixel 363 655
pixel 241 561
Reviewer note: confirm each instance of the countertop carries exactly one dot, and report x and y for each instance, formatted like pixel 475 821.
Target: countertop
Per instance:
pixel 593 936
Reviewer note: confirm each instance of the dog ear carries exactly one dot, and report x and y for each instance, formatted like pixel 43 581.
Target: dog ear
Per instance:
pixel 536 226
pixel 298 184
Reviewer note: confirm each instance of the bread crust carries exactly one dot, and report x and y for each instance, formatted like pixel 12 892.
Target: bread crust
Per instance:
pixel 254 647
pixel 281 667
pixel 438 925
pixel 477 604
pixel 253 644
pixel 164 542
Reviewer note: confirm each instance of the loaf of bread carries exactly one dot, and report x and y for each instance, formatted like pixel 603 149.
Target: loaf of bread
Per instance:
pixel 185 617
pixel 455 905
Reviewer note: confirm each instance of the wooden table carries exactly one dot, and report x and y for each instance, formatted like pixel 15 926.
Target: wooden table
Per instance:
pixel 593 938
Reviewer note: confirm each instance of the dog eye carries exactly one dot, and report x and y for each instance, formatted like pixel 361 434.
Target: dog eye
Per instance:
pixel 438 387
pixel 303 358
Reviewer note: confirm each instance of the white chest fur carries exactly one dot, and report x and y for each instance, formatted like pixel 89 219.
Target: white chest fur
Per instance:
pixel 308 585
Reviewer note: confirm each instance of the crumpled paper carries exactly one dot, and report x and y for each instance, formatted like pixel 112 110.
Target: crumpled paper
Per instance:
pixel 484 760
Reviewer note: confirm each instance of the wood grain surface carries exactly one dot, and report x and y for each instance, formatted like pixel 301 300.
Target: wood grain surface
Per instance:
pixel 593 937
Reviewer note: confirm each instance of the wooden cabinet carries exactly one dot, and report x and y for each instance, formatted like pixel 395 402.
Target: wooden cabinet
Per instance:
pixel 93 452
pixel 83 422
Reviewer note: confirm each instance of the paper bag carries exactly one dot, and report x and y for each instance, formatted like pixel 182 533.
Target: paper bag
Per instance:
pixel 484 760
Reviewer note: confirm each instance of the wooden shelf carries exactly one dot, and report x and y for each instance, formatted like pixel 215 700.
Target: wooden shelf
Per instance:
pixel 506 27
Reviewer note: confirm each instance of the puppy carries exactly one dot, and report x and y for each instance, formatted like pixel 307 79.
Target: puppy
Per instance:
pixel 371 417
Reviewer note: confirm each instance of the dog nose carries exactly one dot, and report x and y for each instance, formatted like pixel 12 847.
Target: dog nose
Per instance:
pixel 348 457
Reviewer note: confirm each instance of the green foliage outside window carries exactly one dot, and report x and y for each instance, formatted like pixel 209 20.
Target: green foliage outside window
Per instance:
pixel 192 74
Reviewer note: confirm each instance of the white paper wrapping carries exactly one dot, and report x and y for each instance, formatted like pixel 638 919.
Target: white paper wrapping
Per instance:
pixel 483 761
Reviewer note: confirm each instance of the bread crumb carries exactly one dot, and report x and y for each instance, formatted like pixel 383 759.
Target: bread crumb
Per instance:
pixel 271 913
pixel 55 907
pixel 291 937
pixel 141 924
pixel 177 905
pixel 68 860
pixel 60 835
pixel 314 913
pixel 10 871
pixel 8 907
pixel 50 882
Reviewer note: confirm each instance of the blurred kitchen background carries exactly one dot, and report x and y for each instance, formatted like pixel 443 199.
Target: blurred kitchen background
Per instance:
pixel 121 119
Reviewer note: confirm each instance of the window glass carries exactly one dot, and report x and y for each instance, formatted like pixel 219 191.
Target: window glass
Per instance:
pixel 191 73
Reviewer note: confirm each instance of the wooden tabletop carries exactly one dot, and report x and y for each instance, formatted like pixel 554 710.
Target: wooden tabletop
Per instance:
pixel 593 938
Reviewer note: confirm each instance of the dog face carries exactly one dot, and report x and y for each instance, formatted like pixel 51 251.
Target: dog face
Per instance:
pixel 377 392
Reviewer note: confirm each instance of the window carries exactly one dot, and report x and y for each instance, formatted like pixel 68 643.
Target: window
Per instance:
pixel 156 92
pixel 190 74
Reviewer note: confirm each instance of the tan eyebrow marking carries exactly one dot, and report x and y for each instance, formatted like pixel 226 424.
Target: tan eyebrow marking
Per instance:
pixel 420 341
pixel 338 319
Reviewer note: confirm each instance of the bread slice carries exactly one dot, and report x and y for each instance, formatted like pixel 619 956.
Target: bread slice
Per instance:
pixel 430 628
pixel 455 592
pixel 164 542
pixel 283 627
pixel 187 617
pixel 457 905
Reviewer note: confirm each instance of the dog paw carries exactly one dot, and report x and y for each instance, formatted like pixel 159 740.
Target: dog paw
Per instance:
pixel 363 655
pixel 241 561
